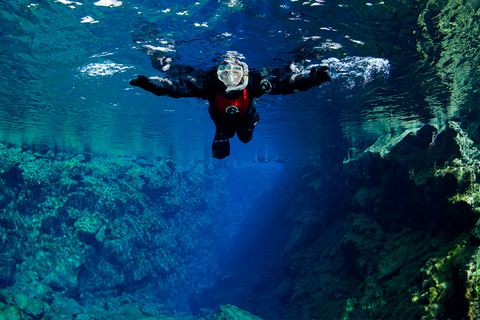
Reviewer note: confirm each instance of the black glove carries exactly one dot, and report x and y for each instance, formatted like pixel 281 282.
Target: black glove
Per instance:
pixel 320 75
pixel 141 81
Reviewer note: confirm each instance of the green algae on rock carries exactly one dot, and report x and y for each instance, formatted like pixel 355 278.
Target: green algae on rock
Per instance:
pixel 229 312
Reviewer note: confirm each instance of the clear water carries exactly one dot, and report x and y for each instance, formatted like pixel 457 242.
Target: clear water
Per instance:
pixel 65 68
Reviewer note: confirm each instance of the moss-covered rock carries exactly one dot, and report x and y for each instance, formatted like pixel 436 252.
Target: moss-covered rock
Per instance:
pixel 10 313
pixel 229 312
pixel 469 274
pixel 8 266
pixel 30 306
pixel 87 227
pixel 403 242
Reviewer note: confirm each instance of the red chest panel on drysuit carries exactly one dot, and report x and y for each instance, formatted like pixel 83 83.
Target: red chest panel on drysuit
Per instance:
pixel 222 104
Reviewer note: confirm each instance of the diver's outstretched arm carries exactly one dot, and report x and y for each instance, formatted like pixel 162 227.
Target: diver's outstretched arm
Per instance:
pixel 299 81
pixel 189 86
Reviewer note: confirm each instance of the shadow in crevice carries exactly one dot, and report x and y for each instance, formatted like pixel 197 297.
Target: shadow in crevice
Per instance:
pixel 251 267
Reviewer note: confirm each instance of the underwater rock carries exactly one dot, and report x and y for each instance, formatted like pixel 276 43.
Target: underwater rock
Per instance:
pixel 470 274
pixel 10 313
pixel 30 306
pixel 8 267
pixel 41 291
pixel 408 200
pixel 476 230
pixel 229 312
pixel 63 277
pixel 285 290
pixel 60 270
pixel 437 147
pixel 118 252
pixel 129 312
pixel 87 227
pixel 63 306
pixel 20 306
pixel 6 296
pixel 308 227
pixel 94 228
pixel 361 237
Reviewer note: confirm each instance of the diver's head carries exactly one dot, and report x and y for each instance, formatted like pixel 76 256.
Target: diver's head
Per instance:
pixel 232 72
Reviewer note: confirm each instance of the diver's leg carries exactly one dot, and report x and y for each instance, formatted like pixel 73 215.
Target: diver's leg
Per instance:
pixel 245 127
pixel 221 143
pixel 223 131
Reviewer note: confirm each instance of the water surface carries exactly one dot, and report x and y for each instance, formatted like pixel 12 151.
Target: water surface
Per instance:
pixel 65 67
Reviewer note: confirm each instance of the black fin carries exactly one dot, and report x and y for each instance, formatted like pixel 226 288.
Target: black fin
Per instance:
pixel 220 148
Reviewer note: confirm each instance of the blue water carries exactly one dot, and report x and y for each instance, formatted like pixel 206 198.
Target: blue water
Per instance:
pixel 65 68
pixel 66 65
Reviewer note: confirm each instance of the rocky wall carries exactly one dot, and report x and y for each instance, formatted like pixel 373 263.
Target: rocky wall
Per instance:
pixel 93 237
pixel 400 243
pixel 391 234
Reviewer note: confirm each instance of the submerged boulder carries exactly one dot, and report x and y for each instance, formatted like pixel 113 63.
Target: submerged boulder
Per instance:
pixel 406 238
pixel 16 305
pixel 30 306
pixel 285 290
pixel 10 313
pixel 87 227
pixel 8 267
pixel 229 312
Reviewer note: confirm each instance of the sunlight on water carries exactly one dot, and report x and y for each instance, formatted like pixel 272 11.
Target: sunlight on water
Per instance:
pixel 102 69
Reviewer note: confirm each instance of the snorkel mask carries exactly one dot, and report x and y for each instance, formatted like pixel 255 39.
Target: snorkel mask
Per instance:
pixel 233 73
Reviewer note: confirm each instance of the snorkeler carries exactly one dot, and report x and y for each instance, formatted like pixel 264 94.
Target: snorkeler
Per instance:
pixel 231 90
